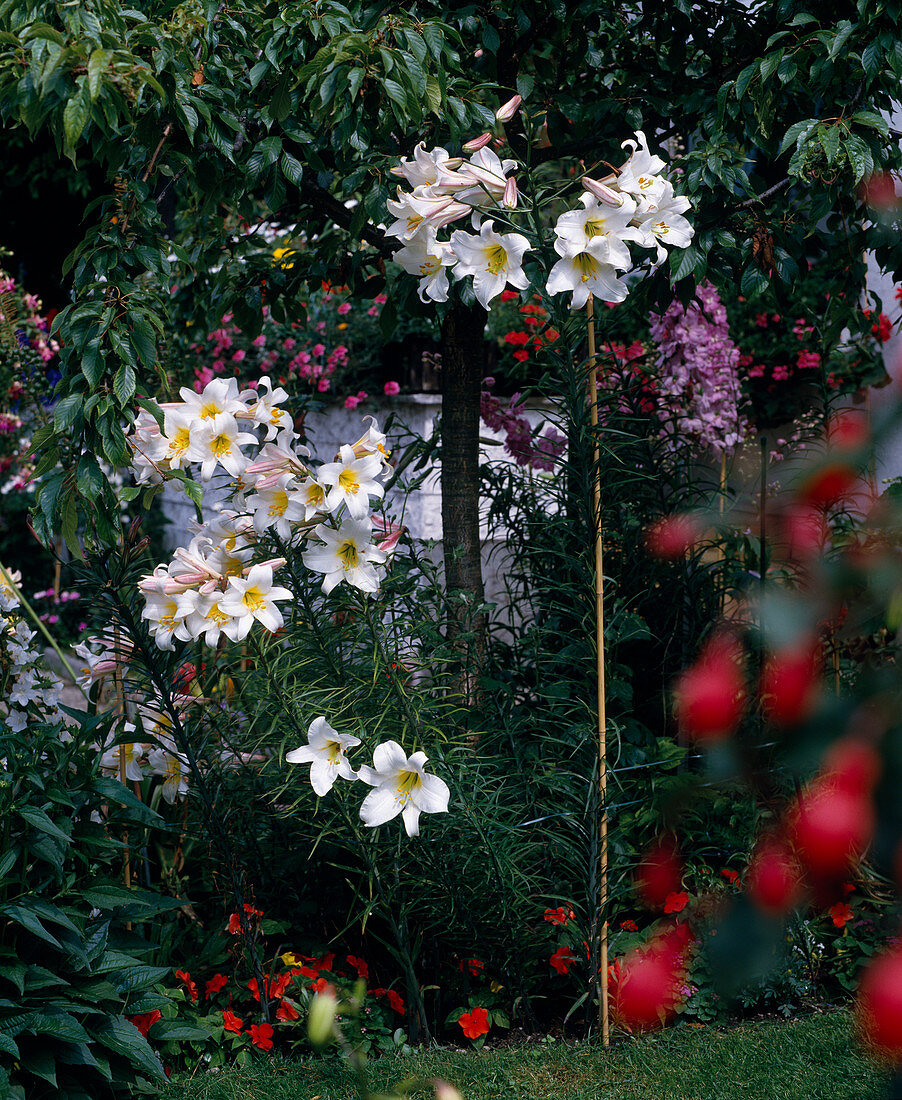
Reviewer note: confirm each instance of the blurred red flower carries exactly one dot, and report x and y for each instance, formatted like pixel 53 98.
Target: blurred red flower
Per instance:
pixel 562 960
pixel 145 1020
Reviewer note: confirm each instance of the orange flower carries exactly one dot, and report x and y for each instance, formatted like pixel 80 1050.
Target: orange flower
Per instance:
pixel 840 913
pixel 215 984
pixel 562 960
pixel 145 1021
pixel 676 903
pixel 363 971
pixel 185 978
pixel 559 915
pixel 629 926
pixel 231 1022
pixel 234 925
pixel 286 1012
pixel 261 1036
pixel 475 1023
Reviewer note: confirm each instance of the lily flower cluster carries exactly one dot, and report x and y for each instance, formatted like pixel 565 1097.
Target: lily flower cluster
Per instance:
pixel 401 785
pixel 633 204
pixel 217 586
pixel 29 691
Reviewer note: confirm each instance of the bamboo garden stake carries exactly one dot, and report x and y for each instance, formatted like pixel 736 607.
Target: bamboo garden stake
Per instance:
pixel 602 720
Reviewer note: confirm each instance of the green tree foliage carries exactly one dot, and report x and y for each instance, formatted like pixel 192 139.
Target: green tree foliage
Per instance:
pixel 203 116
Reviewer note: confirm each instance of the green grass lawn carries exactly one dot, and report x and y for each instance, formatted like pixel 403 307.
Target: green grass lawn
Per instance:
pixel 810 1059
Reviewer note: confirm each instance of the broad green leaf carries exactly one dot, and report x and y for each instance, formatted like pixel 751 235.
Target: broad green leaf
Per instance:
pixel 123 1038
pixel 75 116
pixel 39 820
pixel 97 65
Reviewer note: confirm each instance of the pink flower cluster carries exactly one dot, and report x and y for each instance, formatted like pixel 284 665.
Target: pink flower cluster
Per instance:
pixel 540 452
pixel 699 390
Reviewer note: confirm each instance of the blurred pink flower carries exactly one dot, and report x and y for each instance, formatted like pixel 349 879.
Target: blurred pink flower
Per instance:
pixel 391 389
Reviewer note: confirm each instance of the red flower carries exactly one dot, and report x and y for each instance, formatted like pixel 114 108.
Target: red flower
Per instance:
pixel 231 1022
pixel 520 338
pixel 562 960
pixel 261 1036
pixel 629 926
pixel 322 986
pixel 234 925
pixel 879 1004
pixel 559 915
pixel 730 875
pixel 363 971
pixel 648 987
pixel 145 1021
pixel 672 536
pixel 475 1023
pixel 659 873
pixel 789 684
pixel 676 903
pixel 710 696
pixel 774 879
pixel 475 966
pixel 286 1012
pixel 840 914
pixel 521 356
pixel 831 828
pixel 396 1001
pixel 899 293
pixel 215 984
pixel 509 296
pixel 185 978
pixel 882 328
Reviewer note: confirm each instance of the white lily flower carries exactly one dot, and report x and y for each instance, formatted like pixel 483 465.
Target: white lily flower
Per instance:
pixel 402 786
pixel 217 397
pixel 205 615
pixel 416 211
pixel 150 449
pixel 173 766
pixel 279 506
pixel 263 407
pixel 597 221
pixel 487 174
pixel 254 597
pixel 423 169
pixel 313 496
pixel 178 424
pixel 661 222
pixel 129 754
pixel 325 753
pixel 349 481
pixel 348 555
pixel 166 618
pixel 493 259
pixel 423 255
pixel 586 273
pixel 372 442
pixel 277 459
pixel 219 442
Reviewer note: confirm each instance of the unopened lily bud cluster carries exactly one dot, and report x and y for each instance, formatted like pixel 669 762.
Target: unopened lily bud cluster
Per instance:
pixel 633 205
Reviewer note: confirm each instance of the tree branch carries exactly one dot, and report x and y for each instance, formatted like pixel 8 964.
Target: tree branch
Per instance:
pixel 769 193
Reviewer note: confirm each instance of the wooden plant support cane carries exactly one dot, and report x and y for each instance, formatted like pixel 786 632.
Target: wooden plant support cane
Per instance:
pixel 121 711
pixel 603 1016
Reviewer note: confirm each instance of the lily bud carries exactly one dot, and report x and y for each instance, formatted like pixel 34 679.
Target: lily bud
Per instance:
pixel 445 1091
pixel 321 1019
pixel 510 194
pixel 507 110
pixel 604 194
pixel 477 143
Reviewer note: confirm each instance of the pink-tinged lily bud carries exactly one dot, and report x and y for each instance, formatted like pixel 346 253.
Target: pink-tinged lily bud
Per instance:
pixel 604 194
pixel 477 143
pixel 510 194
pixel 507 110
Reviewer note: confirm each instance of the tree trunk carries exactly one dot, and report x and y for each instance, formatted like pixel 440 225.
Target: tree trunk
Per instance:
pixel 463 361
